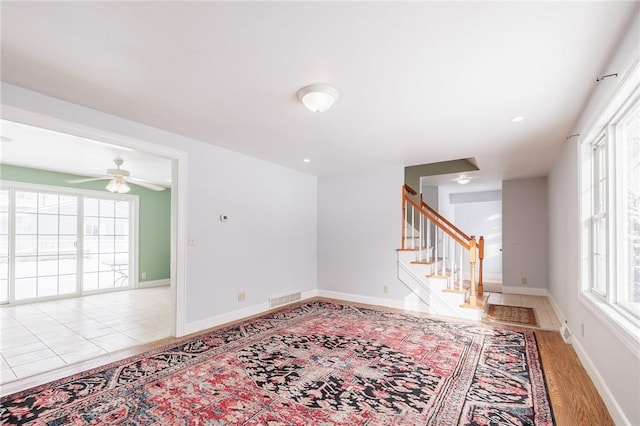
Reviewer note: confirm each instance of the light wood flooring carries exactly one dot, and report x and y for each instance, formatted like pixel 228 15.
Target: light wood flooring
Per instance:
pixel 574 398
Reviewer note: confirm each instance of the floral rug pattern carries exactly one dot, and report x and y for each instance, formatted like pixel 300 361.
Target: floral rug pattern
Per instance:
pixel 318 363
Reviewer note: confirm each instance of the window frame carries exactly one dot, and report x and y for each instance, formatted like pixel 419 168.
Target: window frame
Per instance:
pixel 605 305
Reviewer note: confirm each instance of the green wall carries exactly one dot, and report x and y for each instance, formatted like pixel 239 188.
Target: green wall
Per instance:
pixel 154 241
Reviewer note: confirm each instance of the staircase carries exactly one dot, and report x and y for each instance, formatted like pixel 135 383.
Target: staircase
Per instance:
pixel 438 262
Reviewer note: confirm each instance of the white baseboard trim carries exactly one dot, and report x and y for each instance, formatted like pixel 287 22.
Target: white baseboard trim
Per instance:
pixel 556 309
pixel 155 283
pixel 605 393
pixel 530 291
pixel 218 320
pixel 612 405
pixel 413 305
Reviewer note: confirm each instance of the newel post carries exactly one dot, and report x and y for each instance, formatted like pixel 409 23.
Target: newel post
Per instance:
pixel 472 260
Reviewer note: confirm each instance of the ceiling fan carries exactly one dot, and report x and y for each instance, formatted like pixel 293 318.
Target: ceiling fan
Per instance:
pixel 118 179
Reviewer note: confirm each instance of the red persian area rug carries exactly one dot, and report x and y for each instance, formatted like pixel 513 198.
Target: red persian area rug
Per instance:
pixel 315 364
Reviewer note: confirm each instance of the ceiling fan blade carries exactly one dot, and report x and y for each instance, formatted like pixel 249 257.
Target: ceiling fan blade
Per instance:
pixel 86 179
pixel 145 184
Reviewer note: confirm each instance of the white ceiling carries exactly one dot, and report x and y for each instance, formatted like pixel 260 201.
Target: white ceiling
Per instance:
pixel 419 82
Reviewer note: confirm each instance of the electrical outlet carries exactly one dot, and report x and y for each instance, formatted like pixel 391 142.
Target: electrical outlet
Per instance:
pixel 524 280
pixel 241 296
pixel 386 288
pixel 143 276
pixel 191 241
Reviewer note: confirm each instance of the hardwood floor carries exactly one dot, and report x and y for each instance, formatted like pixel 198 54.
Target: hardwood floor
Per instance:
pixel 574 398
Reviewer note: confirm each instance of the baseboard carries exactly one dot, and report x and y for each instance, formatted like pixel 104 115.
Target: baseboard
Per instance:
pixel 376 301
pixel 530 291
pixel 556 309
pixel 218 320
pixel 155 283
pixel 612 405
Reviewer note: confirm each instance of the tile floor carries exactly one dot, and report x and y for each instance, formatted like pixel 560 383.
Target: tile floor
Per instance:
pixel 44 336
pixel 547 318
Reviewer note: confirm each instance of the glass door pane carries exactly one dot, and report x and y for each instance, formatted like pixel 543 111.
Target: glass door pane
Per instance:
pixel 45 245
pixel 106 244
pixel 4 246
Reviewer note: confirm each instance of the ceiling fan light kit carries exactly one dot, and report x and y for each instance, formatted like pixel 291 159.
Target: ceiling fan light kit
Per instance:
pixel 118 185
pixel 318 97
pixel 118 179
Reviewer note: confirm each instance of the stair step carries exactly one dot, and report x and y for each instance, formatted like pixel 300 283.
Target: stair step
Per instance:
pixel 422 262
pixel 453 290
pixel 406 249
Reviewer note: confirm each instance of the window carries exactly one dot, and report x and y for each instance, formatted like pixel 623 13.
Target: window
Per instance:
pixel 57 242
pixel 628 138
pixel 610 188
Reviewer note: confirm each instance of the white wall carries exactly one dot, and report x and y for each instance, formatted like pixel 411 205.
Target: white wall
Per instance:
pixel 359 228
pixel 524 235
pixel 612 365
pixel 268 248
pixel 484 219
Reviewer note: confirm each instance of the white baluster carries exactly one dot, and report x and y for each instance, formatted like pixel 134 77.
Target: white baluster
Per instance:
pixel 420 258
pixel 428 240
pixel 413 227
pixel 460 285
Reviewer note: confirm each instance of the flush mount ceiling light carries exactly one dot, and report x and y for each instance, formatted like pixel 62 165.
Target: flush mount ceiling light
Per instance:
pixel 463 180
pixel 517 119
pixel 318 97
pixel 117 184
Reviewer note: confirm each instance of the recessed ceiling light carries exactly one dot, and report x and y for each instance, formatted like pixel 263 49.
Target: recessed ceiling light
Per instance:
pixel 517 119
pixel 307 160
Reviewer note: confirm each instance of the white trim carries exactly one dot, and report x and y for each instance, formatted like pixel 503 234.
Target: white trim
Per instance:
pixel 556 309
pixel 367 300
pixel 607 396
pixel 530 291
pixel 625 330
pixel 178 193
pixel 154 283
pixel 614 99
pixel 240 314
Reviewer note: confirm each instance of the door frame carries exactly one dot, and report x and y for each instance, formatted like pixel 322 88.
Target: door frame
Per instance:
pixel 178 160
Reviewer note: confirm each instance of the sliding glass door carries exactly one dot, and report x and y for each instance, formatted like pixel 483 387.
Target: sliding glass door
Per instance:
pixel 59 244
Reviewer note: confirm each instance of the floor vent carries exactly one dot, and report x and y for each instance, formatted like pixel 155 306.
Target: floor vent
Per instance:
pixel 283 300
pixel 565 333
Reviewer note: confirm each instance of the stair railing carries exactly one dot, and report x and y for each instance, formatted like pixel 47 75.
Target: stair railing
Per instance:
pixel 434 238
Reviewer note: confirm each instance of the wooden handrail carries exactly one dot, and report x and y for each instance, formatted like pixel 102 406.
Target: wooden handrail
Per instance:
pixel 443 219
pixel 475 247
pixel 434 214
pixel 428 214
pixel 409 189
